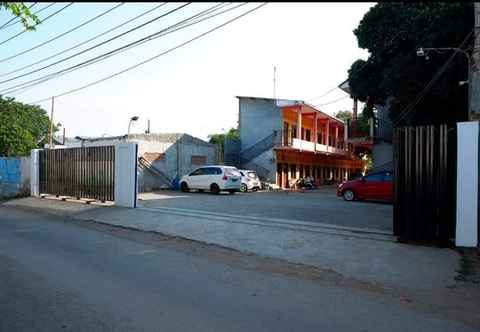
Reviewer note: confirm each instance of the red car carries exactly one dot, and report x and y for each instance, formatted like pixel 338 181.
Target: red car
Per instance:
pixel 374 186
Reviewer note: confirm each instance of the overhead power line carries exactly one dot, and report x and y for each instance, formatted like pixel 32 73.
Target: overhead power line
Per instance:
pixel 435 77
pixel 5 25
pixel 63 33
pixel 154 57
pixel 97 45
pixel 45 19
pixel 175 27
pixel 84 42
pixel 333 101
pixel 324 94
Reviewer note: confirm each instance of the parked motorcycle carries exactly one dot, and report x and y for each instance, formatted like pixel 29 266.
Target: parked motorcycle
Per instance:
pixel 305 183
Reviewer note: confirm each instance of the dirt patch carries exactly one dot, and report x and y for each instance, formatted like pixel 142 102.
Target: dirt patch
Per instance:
pixel 469 270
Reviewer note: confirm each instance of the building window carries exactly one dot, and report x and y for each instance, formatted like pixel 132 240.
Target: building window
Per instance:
pixel 294 131
pixel 307 135
pixel 199 160
pixel 319 138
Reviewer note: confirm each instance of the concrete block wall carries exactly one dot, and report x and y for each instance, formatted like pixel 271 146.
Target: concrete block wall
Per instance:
pixel 382 153
pixel 14 176
pixel 258 118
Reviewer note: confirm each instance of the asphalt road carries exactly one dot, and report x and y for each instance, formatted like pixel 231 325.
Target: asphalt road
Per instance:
pixel 312 206
pixel 65 275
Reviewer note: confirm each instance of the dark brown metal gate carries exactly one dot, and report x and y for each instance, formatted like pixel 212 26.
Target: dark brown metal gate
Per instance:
pixel 78 172
pixel 425 184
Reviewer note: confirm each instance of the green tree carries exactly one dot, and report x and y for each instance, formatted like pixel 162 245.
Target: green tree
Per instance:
pixel 362 120
pixel 233 133
pixel 391 32
pixel 219 139
pixel 20 10
pixel 22 127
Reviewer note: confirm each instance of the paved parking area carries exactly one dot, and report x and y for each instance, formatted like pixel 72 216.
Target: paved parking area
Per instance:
pixel 321 206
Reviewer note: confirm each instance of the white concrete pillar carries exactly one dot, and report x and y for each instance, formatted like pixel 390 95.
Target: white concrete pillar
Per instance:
pixel 126 177
pixel 467 184
pixel 315 128
pixel 35 173
pixel 327 132
pixel 299 123
pixel 336 136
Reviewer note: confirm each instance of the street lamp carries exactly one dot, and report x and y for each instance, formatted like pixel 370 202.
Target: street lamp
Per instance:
pixel 421 52
pixel 133 118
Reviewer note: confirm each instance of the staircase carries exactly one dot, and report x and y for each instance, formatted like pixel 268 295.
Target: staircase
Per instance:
pixel 262 172
pixel 260 147
pixel 145 164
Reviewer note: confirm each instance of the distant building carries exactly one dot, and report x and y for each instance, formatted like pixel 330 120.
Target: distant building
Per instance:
pixel 162 157
pixel 379 137
pixel 284 140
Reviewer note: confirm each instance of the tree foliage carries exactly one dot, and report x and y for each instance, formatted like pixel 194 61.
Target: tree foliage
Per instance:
pixel 22 127
pixel 392 32
pixel 362 120
pixel 19 9
pixel 220 138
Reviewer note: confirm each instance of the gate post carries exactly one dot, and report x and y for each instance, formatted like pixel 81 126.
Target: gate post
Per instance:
pixel 467 184
pixel 35 173
pixel 126 182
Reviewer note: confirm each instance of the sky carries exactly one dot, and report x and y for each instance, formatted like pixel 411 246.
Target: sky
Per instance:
pixel 191 89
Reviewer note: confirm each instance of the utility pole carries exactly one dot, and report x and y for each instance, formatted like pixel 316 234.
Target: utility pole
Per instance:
pixel 51 124
pixel 274 82
pixel 474 83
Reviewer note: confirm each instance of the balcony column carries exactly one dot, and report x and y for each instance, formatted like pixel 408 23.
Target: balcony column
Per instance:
pixel 327 132
pixel 315 129
pixel 354 117
pixel 299 123
pixel 345 137
pixel 336 137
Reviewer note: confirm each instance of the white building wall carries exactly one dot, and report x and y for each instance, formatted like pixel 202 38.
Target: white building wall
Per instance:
pixel 467 184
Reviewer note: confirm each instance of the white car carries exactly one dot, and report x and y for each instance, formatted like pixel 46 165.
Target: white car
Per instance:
pixel 250 180
pixel 213 178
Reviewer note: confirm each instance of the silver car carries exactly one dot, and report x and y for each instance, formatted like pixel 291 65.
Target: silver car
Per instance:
pixel 250 180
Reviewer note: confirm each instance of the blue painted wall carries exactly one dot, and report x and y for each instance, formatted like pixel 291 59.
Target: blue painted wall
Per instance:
pixel 12 181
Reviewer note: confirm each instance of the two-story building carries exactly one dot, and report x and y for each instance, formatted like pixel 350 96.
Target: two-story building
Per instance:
pixel 285 140
pixel 379 137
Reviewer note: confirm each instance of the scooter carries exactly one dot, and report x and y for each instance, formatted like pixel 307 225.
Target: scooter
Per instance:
pixel 304 183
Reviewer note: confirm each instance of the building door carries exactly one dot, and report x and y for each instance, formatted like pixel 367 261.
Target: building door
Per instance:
pixel 285 176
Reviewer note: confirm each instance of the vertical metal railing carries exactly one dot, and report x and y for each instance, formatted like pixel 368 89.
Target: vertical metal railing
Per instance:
pixel 79 172
pixel 424 187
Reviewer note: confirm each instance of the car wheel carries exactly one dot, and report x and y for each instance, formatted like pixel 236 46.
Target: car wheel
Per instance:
pixel 255 189
pixel 231 192
pixel 184 187
pixel 348 195
pixel 243 187
pixel 215 189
